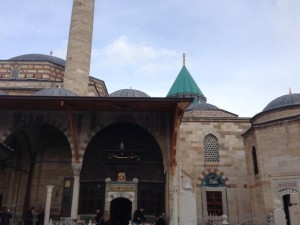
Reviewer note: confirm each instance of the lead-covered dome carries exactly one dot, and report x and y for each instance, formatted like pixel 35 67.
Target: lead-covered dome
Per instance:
pixel 283 101
pixel 129 93
pixel 54 91
pixel 39 57
pixel 200 105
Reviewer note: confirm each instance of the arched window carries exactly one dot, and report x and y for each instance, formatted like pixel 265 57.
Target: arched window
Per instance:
pixel 254 158
pixel 211 149
pixel 213 180
pixel 14 73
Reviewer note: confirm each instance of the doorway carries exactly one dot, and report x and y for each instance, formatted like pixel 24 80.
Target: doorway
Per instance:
pixel 286 205
pixel 120 211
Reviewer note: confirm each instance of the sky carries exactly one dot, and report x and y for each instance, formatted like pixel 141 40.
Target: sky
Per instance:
pixel 242 53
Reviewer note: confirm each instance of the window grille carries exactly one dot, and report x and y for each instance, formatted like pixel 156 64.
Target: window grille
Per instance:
pixel 14 73
pixel 211 149
pixel 214 203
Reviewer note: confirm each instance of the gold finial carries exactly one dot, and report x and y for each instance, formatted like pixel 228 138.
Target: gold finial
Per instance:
pixel 183 59
pixel 290 91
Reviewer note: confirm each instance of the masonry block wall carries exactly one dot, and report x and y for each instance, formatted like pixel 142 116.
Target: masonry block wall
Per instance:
pixel 25 78
pixel 231 166
pixel 275 137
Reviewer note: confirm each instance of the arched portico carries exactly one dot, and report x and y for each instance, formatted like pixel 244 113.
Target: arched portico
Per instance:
pixel 39 149
pixel 129 148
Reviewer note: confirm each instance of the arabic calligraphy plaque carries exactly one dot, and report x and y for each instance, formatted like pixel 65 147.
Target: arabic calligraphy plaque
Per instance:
pixel 123 156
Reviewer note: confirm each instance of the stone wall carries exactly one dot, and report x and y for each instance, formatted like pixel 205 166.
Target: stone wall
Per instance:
pixel 275 136
pixel 33 76
pixel 231 166
pixel 31 70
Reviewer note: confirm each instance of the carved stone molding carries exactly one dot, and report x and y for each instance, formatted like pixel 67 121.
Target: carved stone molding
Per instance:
pixel 77 168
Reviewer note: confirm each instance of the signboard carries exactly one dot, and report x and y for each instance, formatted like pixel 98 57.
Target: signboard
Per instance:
pixel 123 156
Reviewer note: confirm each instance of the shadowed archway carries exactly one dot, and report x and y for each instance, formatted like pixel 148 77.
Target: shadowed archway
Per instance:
pixel 120 211
pixel 123 147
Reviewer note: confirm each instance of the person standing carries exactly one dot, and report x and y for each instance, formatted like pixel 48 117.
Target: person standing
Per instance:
pixel 5 216
pixel 40 216
pixel 138 216
pixel 28 218
pixel 98 216
pixel 105 220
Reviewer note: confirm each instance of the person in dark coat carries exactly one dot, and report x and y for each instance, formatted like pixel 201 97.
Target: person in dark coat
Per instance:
pixel 105 220
pixel 28 218
pixel 138 217
pixel 159 220
pixel 40 216
pixel 98 216
pixel 5 216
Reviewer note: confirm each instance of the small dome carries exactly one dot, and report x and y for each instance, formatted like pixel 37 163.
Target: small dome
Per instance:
pixel 39 57
pixel 54 91
pixel 283 101
pixel 2 92
pixel 200 105
pixel 129 93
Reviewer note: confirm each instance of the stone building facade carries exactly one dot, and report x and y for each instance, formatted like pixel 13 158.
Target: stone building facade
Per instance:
pixel 27 74
pixel 79 139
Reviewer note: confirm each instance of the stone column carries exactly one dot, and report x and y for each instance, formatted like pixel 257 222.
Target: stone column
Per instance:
pixel 76 184
pixel 78 59
pixel 176 187
pixel 48 204
pixel 278 213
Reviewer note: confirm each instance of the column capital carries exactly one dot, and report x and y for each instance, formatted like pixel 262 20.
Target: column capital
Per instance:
pixel 77 168
pixel 49 188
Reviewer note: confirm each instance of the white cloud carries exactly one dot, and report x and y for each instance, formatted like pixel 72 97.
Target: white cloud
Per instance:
pixel 124 64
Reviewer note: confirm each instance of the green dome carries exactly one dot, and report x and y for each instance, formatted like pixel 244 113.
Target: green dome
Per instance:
pixel 185 86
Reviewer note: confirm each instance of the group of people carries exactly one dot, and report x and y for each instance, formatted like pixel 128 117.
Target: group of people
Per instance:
pixel 102 218
pixel 28 216
pixel 5 216
pixel 138 218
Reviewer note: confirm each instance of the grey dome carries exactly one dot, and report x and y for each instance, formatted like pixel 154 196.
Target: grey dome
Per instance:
pixel 201 105
pixel 39 57
pixel 2 92
pixel 54 91
pixel 129 93
pixel 283 101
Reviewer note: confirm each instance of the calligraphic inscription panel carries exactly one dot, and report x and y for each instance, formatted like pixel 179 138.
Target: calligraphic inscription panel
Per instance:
pixel 123 156
pixel 122 188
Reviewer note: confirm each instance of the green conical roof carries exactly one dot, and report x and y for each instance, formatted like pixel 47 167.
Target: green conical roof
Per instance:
pixel 185 86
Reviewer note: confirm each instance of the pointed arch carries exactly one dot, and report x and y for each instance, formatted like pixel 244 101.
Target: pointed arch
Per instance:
pixel 27 120
pixel 217 172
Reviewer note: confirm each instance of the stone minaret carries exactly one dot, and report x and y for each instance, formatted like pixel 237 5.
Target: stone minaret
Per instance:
pixel 79 47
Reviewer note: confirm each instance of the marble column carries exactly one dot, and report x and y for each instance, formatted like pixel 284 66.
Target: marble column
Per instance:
pixel 48 204
pixel 76 185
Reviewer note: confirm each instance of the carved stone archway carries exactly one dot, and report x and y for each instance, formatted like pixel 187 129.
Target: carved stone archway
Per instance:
pixel 121 189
